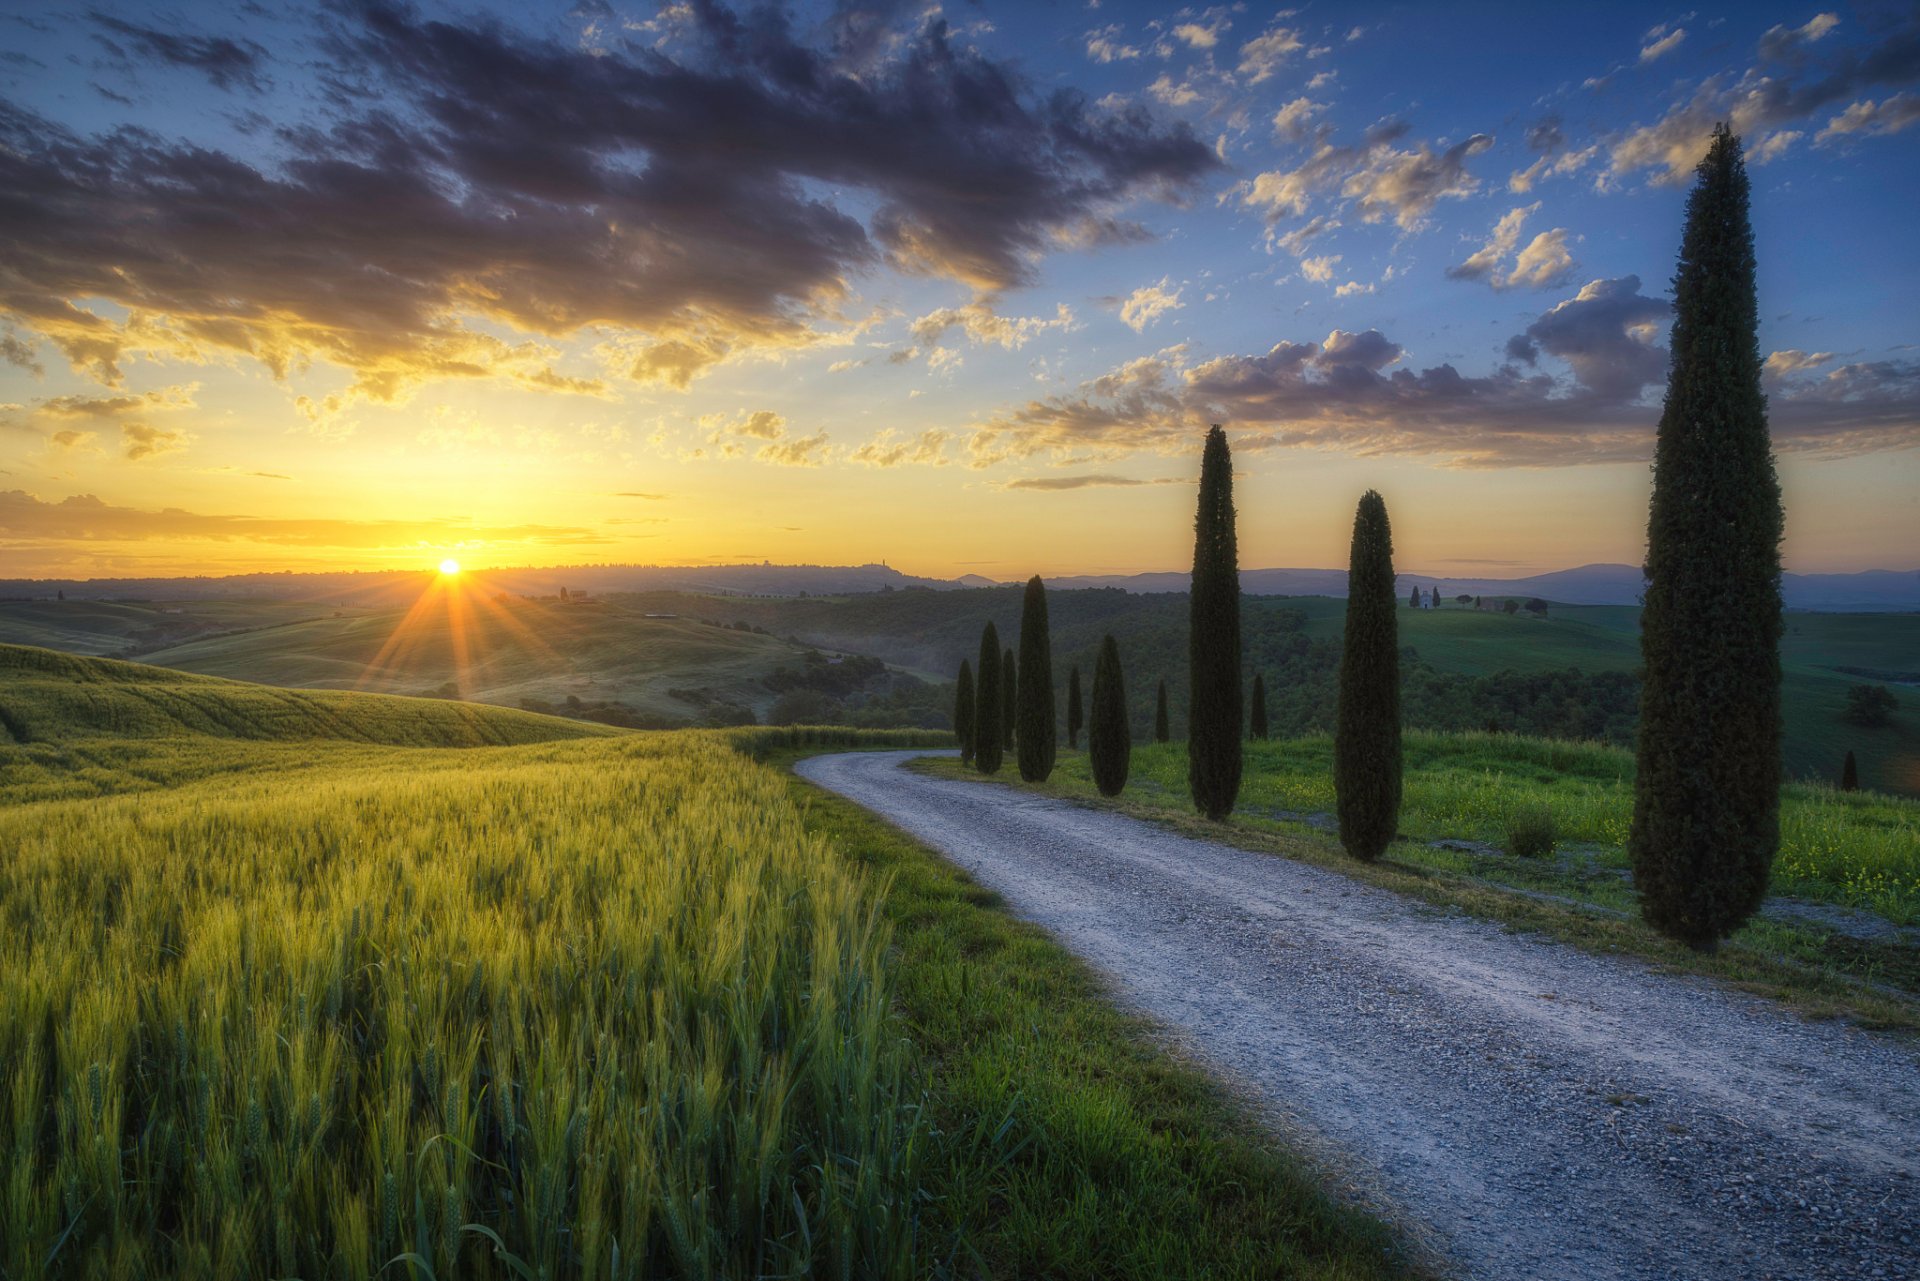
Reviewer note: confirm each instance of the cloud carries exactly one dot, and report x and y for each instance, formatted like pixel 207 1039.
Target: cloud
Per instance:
pixel 1383 179
pixel 799 451
pixel 1351 288
pixel 983 325
pixel 1105 45
pixel 98 407
pixel 1774 145
pixel 87 518
pixel 1147 304
pixel 1319 270
pixel 1543 263
pixel 1783 364
pixel 1174 95
pixel 19 354
pixel 1296 241
pixel 1782 43
pixel 226 63
pixel 887 449
pixel 138 440
pixel 1760 101
pixel 1659 46
pixel 71 439
pixel 1606 333
pixel 1093 481
pixel 1262 56
pixel 686 198
pixel 1202 35
pixel 633 493
pixel 1869 118
pixel 1290 121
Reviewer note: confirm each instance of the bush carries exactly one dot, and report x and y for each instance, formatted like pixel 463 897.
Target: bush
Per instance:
pixel 1531 832
pixel 1870 705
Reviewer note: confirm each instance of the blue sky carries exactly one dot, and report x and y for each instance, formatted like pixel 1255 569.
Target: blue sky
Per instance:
pixel 358 283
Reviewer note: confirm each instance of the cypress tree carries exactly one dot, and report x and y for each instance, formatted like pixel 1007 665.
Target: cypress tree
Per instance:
pixel 1009 699
pixel 963 710
pixel 987 744
pixel 1075 716
pixel 1366 737
pixel 1162 725
pixel 1036 686
pixel 1849 775
pixel 1414 600
pixel 1706 803
pixel 1109 738
pixel 1259 716
pixel 1214 700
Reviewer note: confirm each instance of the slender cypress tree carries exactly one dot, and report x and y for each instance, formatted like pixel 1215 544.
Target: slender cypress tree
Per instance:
pixel 1259 714
pixel 987 741
pixel 1037 746
pixel 1849 775
pixel 1109 737
pixel 1009 699
pixel 1366 737
pixel 1214 700
pixel 963 710
pixel 1706 803
pixel 1076 717
pixel 1162 724
pixel 1414 600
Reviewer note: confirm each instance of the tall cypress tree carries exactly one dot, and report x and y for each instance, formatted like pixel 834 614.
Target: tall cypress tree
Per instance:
pixel 987 742
pixel 1009 699
pixel 1706 797
pixel 1849 774
pixel 1258 728
pixel 1036 686
pixel 1214 701
pixel 1109 737
pixel 1162 723
pixel 1076 717
pixel 963 710
pixel 1366 737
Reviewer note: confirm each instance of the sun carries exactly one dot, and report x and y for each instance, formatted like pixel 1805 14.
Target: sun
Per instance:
pixel 449 566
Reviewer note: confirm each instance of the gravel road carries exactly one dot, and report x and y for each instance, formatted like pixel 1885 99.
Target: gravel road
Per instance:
pixel 1528 1110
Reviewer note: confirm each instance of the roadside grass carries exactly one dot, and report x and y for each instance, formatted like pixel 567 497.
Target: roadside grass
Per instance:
pixel 1064 1140
pixel 1845 852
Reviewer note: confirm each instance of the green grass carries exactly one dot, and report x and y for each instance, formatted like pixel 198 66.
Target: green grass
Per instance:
pixel 1857 851
pixel 282 997
pixel 1064 1141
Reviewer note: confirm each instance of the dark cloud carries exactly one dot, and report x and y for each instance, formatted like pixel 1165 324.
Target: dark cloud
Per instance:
pixel 227 63
pixel 1546 134
pixel 1350 393
pixel 1605 332
pixel 681 197
pixel 1094 481
pixel 88 518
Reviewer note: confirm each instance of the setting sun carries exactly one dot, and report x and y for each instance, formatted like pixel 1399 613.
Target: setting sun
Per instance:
pixel 449 566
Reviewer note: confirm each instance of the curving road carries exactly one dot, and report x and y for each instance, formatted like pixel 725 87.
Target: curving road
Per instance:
pixel 1537 1111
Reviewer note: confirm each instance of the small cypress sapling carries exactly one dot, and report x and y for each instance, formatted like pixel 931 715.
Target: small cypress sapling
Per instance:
pixel 1366 737
pixel 1109 737
pixel 1258 718
pixel 1849 775
pixel 963 710
pixel 1009 699
pixel 1706 804
pixel 987 744
pixel 1037 747
pixel 1076 717
pixel 1162 726
pixel 1215 702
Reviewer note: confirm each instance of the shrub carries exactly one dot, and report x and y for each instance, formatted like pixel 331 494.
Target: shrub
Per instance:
pixel 1531 832
pixel 1870 705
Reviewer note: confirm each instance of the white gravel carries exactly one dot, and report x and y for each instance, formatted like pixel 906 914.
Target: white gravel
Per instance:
pixel 1528 1109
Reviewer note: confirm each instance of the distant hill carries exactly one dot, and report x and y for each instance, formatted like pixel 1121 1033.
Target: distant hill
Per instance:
pixel 48 697
pixel 1872 590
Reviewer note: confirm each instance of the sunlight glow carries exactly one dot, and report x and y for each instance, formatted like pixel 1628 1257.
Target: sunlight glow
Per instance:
pixel 449 566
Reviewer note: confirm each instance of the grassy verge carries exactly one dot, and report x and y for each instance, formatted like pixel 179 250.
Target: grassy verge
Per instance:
pixel 1578 897
pixel 1063 1140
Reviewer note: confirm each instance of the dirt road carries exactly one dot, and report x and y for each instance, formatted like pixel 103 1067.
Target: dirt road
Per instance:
pixel 1534 1111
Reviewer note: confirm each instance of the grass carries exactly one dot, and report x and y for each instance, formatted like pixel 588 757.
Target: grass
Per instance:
pixel 1064 1141
pixel 327 1004
pixel 1848 850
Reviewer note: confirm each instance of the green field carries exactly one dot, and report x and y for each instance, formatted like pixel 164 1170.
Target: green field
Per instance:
pixel 336 985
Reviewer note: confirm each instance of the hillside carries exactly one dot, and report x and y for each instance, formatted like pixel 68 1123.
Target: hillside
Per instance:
pixel 48 697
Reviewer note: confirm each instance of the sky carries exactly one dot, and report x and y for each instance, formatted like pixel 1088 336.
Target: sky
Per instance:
pixel 958 288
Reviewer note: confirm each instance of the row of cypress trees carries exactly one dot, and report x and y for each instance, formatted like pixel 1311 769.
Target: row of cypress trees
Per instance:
pixel 1706 790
